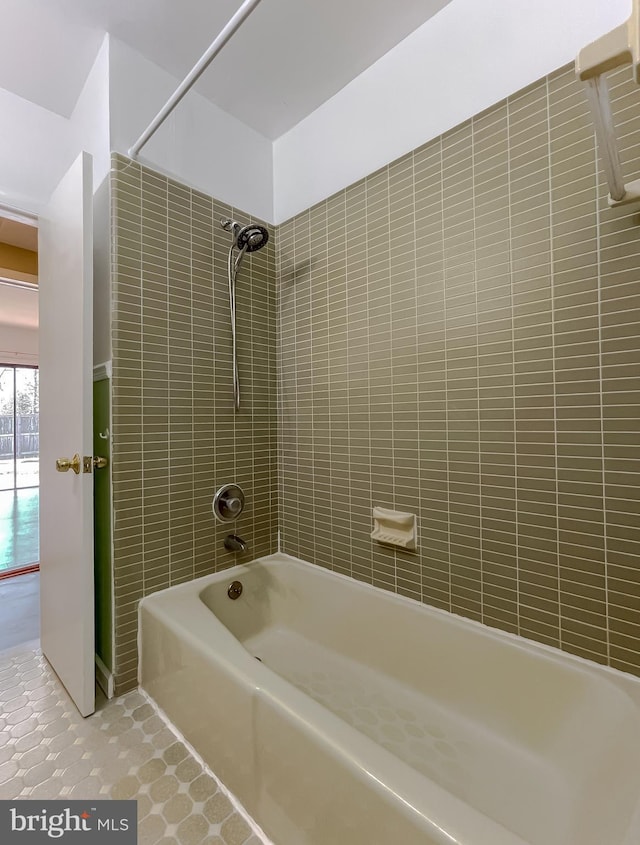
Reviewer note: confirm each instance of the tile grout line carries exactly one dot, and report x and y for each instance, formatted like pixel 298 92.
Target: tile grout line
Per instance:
pixel 601 395
pixel 553 360
pixel 477 357
pixel 169 427
pixel 516 511
pixel 193 404
pixel 446 373
pixel 392 401
pixel 416 375
pixel 312 414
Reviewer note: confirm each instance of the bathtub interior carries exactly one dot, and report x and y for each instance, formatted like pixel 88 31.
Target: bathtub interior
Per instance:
pixel 546 748
pixel 290 763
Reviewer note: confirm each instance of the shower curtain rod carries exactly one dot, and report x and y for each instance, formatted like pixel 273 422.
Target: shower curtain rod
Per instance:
pixel 619 47
pixel 198 69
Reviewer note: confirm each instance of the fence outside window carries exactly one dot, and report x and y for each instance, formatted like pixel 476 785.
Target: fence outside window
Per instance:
pixel 19 426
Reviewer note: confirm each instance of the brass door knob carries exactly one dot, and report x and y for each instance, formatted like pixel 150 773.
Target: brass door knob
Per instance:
pixel 65 464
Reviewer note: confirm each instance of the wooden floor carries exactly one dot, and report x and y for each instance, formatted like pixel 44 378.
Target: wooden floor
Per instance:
pixel 19 541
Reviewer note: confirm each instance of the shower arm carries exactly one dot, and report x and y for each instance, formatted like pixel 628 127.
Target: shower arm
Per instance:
pixel 619 47
pixel 196 72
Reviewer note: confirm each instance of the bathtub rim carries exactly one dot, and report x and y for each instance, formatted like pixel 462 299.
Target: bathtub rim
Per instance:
pixel 625 681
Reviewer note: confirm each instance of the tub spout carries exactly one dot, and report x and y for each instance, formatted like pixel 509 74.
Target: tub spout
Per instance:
pixel 236 544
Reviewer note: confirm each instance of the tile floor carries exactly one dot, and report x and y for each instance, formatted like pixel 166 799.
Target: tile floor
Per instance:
pixel 125 750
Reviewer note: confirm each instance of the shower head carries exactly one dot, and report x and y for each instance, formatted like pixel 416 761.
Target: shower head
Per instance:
pixel 247 238
pixel 252 238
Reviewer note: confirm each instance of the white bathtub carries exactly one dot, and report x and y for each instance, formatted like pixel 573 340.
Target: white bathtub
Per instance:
pixel 371 719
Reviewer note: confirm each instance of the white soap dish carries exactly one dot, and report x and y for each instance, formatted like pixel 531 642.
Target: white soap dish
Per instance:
pixel 394 528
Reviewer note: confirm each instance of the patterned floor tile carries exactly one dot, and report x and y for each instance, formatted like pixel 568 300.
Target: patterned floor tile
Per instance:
pixel 124 750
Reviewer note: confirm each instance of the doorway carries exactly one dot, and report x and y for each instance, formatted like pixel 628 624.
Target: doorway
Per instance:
pixel 19 452
pixel 19 434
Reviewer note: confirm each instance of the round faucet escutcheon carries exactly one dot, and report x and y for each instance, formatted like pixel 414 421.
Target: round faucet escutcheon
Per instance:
pixel 228 503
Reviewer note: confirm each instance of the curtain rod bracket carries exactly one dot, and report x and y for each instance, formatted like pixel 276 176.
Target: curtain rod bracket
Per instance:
pixel 619 47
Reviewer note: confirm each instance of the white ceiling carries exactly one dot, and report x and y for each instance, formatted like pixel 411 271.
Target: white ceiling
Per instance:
pixel 288 58
pixel 18 306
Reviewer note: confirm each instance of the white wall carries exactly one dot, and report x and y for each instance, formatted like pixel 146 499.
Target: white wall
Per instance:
pixel 90 117
pixel 198 144
pixel 18 345
pixel 469 56
pixel 37 146
pixel 102 273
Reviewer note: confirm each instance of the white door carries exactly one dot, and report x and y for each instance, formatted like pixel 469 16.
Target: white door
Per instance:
pixel 66 422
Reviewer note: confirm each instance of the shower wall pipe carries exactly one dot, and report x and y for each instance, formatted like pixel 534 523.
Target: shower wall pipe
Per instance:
pixel 192 77
pixel 619 47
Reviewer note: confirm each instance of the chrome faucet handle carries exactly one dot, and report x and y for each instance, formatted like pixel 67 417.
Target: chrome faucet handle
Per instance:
pixel 231 506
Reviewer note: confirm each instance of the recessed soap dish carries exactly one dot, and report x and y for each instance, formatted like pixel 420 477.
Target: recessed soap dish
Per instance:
pixel 395 528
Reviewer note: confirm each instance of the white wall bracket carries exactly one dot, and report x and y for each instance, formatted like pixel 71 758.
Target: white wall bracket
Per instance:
pixel 619 47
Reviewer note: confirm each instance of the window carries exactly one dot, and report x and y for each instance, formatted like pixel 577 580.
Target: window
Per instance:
pixel 19 430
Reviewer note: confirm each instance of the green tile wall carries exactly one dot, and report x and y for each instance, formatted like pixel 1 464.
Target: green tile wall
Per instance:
pixel 459 336
pixel 103 568
pixel 176 437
